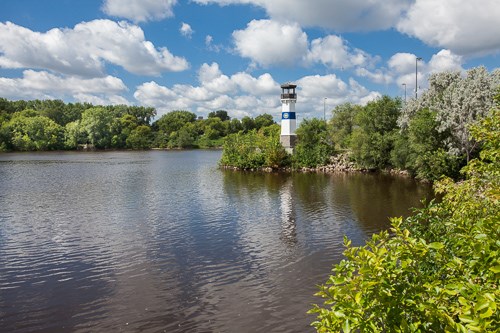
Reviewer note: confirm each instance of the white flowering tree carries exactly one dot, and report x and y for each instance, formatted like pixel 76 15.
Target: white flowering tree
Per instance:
pixel 458 102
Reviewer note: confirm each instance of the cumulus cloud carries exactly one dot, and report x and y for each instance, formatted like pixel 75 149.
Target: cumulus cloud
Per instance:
pixel 272 43
pixel 44 85
pixel 314 88
pixel 378 75
pixel 268 43
pixel 84 49
pixel 334 52
pixel 246 95
pixel 211 77
pixel 186 30
pixel 445 60
pixel 402 67
pixel 464 27
pixel 139 10
pixel 339 15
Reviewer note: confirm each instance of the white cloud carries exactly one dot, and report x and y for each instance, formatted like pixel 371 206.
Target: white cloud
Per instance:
pixel 378 75
pixel 465 27
pixel 444 60
pixel 268 43
pixel 333 51
pixel 139 10
pixel 340 15
pixel 44 85
pixel 263 85
pixel 85 49
pixel 186 30
pixel 211 77
pixel 313 90
pixel 402 67
pixel 249 95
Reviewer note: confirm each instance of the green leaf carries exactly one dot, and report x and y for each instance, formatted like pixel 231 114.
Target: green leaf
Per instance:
pixel 495 269
pixel 486 313
pixel 346 328
pixel 357 298
pixel 481 304
pixel 436 245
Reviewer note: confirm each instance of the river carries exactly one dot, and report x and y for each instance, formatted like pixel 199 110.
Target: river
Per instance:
pixel 165 241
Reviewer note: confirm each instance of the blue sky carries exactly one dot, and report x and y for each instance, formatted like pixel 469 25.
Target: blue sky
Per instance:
pixel 206 55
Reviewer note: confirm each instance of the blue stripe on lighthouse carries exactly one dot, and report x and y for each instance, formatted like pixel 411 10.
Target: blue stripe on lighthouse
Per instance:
pixel 287 115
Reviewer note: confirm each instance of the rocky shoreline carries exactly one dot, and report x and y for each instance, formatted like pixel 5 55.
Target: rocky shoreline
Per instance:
pixel 338 164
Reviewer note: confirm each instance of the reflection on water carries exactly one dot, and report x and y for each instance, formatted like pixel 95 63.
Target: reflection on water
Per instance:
pixel 165 241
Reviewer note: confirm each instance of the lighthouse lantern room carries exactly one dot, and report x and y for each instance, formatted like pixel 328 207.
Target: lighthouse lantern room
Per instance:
pixel 288 117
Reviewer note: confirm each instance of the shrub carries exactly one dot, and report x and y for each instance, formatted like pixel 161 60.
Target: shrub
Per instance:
pixel 437 271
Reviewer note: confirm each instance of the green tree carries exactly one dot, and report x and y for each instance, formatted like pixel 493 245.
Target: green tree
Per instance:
pixel 247 123
pixel 97 123
pixel 263 120
pixel 235 126
pixel 458 102
pixel 372 140
pixel 140 137
pixel 74 135
pixel 314 146
pixel 428 158
pixel 437 271
pixel 221 114
pixel 342 124
pixel 32 133
pixel 122 128
pixel 174 120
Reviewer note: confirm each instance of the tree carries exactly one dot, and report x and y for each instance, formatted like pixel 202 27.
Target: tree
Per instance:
pixel 235 126
pixel 437 271
pixel 140 138
pixel 174 120
pixel 314 146
pixel 458 103
pixel 263 120
pixel 221 114
pixel 342 123
pixel 74 135
pixel 373 139
pixel 247 123
pixel 97 124
pixel 32 133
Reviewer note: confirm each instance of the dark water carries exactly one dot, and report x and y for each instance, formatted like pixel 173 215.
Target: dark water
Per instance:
pixel 166 242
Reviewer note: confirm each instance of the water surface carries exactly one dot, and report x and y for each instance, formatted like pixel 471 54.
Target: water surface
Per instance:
pixel 166 242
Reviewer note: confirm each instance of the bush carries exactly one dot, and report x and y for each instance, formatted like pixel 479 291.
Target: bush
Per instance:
pixel 255 149
pixel 437 271
pixel 314 146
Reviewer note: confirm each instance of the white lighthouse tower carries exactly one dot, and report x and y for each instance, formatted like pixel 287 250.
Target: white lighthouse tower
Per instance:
pixel 288 118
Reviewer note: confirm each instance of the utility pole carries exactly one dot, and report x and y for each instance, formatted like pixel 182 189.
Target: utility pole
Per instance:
pixel 324 109
pixel 416 75
pixel 404 84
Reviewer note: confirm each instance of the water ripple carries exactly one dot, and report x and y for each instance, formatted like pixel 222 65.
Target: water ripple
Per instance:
pixel 166 242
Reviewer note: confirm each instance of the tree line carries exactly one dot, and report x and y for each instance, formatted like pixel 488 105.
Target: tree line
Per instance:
pixel 429 136
pixel 54 125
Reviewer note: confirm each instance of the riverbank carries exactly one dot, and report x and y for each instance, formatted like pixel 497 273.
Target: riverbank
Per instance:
pixel 338 164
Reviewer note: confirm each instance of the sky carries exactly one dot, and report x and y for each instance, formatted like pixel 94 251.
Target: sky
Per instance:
pixel 233 55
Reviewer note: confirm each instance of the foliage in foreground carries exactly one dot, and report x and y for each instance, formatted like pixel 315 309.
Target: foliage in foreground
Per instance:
pixel 437 271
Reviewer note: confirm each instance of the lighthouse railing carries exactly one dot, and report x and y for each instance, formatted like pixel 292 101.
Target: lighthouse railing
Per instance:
pixel 288 96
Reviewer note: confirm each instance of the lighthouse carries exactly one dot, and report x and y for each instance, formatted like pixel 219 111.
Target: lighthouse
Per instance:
pixel 288 118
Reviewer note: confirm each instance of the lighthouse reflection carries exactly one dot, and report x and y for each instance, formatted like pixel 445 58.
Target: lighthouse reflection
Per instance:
pixel 288 214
